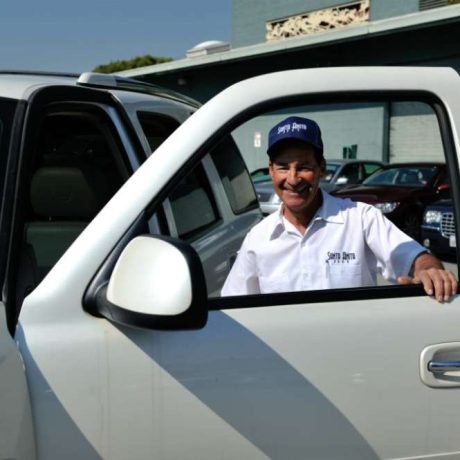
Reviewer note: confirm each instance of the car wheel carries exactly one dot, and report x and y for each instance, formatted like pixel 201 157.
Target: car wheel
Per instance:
pixel 411 226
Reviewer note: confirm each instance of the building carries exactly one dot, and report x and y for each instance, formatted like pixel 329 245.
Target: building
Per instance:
pixel 272 36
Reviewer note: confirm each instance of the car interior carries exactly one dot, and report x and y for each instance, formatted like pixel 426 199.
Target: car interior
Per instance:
pixel 77 166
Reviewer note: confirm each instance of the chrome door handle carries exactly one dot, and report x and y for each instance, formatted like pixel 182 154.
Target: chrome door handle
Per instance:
pixel 443 366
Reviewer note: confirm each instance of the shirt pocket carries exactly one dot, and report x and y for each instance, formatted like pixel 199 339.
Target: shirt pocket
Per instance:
pixel 274 283
pixel 344 275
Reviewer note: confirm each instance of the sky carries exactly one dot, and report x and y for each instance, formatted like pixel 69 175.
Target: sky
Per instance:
pixel 78 35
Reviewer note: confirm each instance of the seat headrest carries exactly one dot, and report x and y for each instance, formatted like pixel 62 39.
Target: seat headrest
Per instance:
pixel 68 192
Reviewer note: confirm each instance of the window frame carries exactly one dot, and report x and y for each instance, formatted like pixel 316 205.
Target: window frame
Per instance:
pixel 342 294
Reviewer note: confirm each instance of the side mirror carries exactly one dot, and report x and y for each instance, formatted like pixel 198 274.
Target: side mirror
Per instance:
pixel 341 180
pixel 157 283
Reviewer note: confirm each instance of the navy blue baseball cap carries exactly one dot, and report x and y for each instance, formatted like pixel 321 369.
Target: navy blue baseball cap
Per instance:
pixel 302 129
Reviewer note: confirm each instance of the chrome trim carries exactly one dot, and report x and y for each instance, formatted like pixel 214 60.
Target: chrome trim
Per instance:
pixel 447 224
pixel 443 366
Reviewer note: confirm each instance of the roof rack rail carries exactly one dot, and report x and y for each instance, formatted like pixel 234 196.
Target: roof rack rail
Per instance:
pixel 113 81
pixel 40 73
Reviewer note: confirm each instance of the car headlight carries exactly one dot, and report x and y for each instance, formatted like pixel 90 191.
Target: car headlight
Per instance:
pixel 387 207
pixel 432 217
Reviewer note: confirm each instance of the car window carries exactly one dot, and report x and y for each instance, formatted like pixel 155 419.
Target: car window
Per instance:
pixel 350 173
pixel 331 169
pixel 378 135
pixel 328 259
pixel 156 128
pixel 404 175
pixel 234 175
pixel 192 204
pixel 370 168
pixel 260 175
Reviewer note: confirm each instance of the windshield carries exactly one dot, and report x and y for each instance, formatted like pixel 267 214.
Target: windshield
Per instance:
pixel 405 176
pixel 331 168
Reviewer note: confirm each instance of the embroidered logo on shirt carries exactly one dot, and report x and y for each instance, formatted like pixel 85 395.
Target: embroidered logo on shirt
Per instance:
pixel 340 257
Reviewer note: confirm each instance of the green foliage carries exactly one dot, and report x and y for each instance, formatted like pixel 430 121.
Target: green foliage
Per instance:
pixel 138 61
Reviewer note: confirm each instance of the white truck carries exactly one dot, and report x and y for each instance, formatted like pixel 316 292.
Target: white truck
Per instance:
pixel 120 353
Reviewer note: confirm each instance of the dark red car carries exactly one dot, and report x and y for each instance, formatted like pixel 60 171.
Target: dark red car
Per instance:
pixel 402 191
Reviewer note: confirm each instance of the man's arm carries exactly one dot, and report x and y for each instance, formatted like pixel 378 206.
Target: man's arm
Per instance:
pixel 429 271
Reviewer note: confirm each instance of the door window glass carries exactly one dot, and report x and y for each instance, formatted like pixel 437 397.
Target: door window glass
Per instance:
pixel 350 173
pixel 331 258
pixel 193 205
pixel 406 135
pixel 369 168
pixel 234 175
pixel 156 128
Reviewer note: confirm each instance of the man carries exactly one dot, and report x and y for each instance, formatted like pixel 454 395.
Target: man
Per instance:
pixel 317 241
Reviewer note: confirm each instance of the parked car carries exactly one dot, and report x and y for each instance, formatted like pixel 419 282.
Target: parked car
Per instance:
pixel 438 228
pixel 119 352
pixel 402 191
pixel 339 173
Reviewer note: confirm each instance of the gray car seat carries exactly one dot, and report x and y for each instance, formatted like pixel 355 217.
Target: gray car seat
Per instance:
pixel 64 200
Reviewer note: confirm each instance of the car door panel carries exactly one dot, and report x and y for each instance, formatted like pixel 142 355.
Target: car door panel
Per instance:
pixel 16 426
pixel 309 370
pixel 316 379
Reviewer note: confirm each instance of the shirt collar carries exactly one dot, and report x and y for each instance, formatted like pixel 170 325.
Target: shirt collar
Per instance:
pixel 329 211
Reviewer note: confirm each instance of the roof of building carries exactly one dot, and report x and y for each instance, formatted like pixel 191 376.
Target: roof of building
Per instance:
pixel 382 27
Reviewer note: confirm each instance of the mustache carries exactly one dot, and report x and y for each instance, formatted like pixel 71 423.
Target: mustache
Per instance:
pixel 301 188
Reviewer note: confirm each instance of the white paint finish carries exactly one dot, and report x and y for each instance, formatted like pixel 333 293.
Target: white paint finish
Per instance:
pixel 152 277
pixel 115 399
pixel 16 428
pixel 21 86
pixel 332 380
pixel 320 378
pixel 362 358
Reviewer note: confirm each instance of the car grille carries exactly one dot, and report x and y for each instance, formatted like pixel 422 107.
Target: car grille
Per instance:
pixel 447 224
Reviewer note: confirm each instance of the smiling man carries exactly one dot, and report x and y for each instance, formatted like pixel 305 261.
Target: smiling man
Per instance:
pixel 316 241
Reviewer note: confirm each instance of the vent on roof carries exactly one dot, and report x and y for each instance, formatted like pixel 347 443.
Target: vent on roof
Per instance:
pixel 209 47
pixel 429 4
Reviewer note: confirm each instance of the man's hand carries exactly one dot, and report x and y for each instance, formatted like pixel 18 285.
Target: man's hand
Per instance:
pixel 429 271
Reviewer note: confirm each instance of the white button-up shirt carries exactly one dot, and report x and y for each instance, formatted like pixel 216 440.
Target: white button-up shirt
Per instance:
pixel 345 245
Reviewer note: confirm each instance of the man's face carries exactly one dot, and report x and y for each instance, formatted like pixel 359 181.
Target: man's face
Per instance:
pixel 295 174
